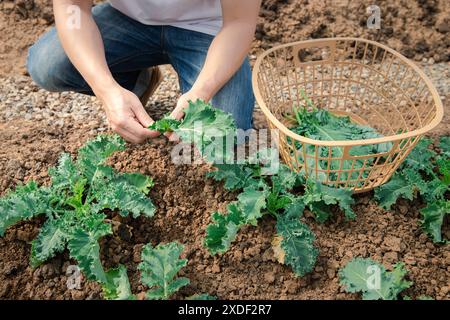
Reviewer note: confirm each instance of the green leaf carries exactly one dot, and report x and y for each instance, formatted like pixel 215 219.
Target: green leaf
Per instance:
pixel 95 152
pixel 251 202
pixel 84 247
pixel 117 285
pixel 141 182
pixel 165 124
pixel 73 205
pixel 433 217
pixel 222 232
pixel 284 180
pixel 319 198
pixel 76 200
pixel 24 203
pixel 320 124
pixel 159 268
pixel 444 170
pixel 276 202
pixel 295 209
pixel 444 145
pixel 52 239
pixel 372 279
pixel 356 273
pixel 122 196
pixel 418 177
pixel 204 126
pixel 397 280
pixel 236 176
pixel 207 127
pixel 397 187
pixel 297 245
pixel 65 174
pixel 213 121
pixel 420 158
pixel 321 210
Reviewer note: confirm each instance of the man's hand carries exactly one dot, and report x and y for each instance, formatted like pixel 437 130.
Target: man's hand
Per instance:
pixel 182 103
pixel 223 60
pixel 126 115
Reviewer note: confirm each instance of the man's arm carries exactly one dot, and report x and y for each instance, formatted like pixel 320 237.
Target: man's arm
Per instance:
pixel 227 51
pixel 85 49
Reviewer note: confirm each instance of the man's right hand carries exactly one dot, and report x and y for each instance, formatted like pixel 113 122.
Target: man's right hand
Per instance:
pixel 126 115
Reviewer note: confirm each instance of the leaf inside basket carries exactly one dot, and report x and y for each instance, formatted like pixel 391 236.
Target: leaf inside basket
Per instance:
pixel 330 162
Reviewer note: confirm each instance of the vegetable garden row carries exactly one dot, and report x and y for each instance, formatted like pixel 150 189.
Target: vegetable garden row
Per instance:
pixel 83 190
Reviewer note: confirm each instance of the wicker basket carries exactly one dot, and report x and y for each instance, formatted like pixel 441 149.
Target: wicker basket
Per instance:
pixel 365 80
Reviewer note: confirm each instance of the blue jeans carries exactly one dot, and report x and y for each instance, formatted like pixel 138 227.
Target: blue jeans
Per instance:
pixel 131 47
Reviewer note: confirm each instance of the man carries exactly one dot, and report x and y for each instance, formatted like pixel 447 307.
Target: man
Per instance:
pixel 111 50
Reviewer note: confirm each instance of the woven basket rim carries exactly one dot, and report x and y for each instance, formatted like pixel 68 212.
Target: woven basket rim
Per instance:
pixel 342 143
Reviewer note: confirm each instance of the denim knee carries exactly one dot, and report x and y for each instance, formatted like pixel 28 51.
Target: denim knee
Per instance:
pixel 237 98
pixel 48 64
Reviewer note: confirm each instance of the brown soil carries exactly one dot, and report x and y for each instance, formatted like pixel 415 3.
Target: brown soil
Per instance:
pixel 247 271
pixel 186 199
pixel 418 29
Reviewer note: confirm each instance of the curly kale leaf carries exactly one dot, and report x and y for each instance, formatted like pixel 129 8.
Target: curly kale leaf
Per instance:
pixel 372 279
pixel 294 245
pixel 417 176
pixel 117 285
pixel 159 268
pixel 319 198
pixel 245 211
pixel 51 240
pixel 165 124
pixel 26 202
pixel 222 232
pixel 397 187
pixel 65 174
pixel 420 158
pixel 73 204
pixel 432 218
pixel 444 145
pixel 320 124
pixel 208 128
pixel 95 152
pixel 123 197
pixel 84 247
pixel 235 176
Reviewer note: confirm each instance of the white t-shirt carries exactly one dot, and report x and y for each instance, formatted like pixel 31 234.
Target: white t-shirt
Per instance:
pixel 197 15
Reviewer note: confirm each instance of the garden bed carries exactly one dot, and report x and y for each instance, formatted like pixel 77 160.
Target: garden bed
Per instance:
pixel 247 271
pixel 36 126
